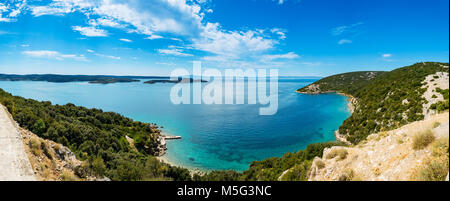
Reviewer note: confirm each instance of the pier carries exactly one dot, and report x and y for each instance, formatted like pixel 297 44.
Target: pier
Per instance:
pixel 171 137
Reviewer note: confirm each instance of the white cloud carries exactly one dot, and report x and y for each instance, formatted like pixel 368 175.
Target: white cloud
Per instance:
pixel 154 36
pixel 232 44
pixel 172 18
pixel 174 51
pixel 281 33
pixel 353 28
pixel 126 40
pixel 53 55
pixel 61 7
pixel 280 2
pixel 149 17
pixel 90 31
pixel 290 55
pixel 111 57
pixel 3 9
pixel 108 56
pixel 103 55
pixel 344 41
pixel 386 57
pixel 106 22
pixel 176 39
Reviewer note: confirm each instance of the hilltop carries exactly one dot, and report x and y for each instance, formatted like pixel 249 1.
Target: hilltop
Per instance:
pixel 387 100
pixel 346 83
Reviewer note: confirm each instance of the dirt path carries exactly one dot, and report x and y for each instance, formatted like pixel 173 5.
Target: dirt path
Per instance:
pixel 14 163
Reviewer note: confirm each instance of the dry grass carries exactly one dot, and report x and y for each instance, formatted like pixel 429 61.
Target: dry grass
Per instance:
pixel 320 164
pixel 35 146
pixel 435 168
pixel 383 134
pixel 347 175
pixel 68 176
pixel 45 149
pixel 436 124
pixel 41 154
pixel 342 154
pixel 440 147
pixel 423 139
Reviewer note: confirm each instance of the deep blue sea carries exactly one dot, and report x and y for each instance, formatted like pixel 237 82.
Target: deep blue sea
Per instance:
pixel 213 136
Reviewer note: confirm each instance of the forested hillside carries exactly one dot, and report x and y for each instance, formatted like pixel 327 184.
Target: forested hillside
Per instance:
pixel 384 102
pixel 96 137
pixel 346 83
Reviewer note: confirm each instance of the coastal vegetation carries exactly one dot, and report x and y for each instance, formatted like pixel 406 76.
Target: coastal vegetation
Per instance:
pixel 296 165
pixel 347 83
pixel 385 101
pixel 96 137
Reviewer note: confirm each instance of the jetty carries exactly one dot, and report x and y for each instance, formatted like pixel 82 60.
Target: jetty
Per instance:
pixel 171 137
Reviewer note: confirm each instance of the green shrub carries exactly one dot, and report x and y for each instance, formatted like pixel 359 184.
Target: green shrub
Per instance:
pixel 436 124
pixel 98 166
pixel 298 172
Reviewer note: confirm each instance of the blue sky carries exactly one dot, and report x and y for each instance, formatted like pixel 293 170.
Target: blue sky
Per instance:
pixel 154 37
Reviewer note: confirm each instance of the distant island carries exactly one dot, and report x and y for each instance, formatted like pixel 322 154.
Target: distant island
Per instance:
pixel 93 79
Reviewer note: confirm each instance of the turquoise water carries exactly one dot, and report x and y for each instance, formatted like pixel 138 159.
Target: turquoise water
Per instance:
pixel 213 136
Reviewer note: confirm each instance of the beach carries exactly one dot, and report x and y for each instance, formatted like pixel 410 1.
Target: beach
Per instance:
pixel 192 170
